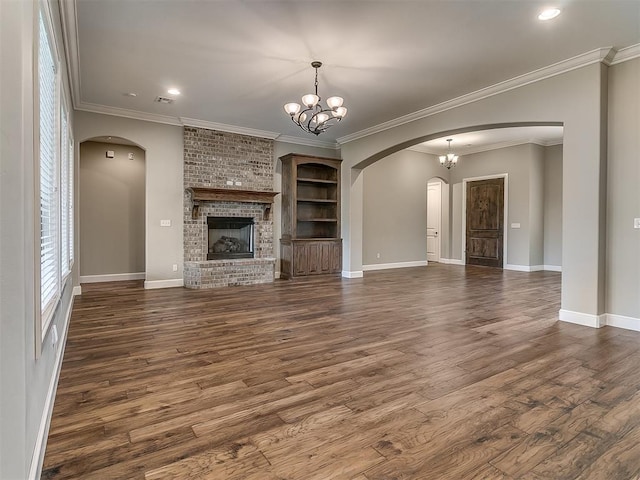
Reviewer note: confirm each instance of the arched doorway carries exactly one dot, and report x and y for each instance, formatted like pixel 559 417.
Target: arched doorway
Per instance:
pixel 111 210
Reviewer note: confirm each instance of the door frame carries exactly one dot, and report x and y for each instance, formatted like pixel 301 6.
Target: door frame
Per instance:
pixel 506 211
pixel 439 182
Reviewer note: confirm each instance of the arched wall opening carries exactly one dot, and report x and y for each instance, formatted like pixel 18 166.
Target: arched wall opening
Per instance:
pixel 575 99
pixel 397 189
pixel 111 226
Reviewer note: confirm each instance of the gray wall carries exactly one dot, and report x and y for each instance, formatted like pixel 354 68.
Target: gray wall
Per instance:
pixel 553 206
pixel 395 208
pixel 574 98
pixel 523 165
pixel 623 241
pixel 112 207
pixel 163 192
pixel 27 384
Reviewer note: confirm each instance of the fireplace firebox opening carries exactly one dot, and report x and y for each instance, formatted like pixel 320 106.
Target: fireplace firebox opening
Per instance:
pixel 230 237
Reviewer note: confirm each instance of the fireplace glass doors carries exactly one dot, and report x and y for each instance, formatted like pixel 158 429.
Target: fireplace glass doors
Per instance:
pixel 230 237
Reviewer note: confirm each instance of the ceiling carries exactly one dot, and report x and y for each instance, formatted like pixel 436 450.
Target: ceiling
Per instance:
pixel 237 62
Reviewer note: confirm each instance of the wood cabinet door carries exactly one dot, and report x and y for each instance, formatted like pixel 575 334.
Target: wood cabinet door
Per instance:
pixel 314 251
pixel 485 222
pixel 300 259
pixel 336 257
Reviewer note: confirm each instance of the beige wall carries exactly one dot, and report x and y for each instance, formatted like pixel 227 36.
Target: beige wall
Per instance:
pixel 623 241
pixel 553 206
pixel 112 209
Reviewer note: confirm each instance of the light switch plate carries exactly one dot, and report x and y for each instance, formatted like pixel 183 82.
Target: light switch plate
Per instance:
pixel 636 223
pixel 515 225
pixel 229 182
pixel 238 184
pixel 165 223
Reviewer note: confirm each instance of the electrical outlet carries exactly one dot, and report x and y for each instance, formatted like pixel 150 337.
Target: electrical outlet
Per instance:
pixel 238 184
pixel 229 182
pixel 377 255
pixel 175 267
pixel 636 223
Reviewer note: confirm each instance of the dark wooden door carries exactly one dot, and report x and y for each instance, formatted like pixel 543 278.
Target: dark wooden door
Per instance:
pixel 485 222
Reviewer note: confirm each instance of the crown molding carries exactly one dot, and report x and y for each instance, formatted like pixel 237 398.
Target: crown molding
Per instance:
pixel 309 142
pixel 223 127
pixel 486 148
pixel 69 21
pixel 589 58
pixel 126 113
pixel 625 54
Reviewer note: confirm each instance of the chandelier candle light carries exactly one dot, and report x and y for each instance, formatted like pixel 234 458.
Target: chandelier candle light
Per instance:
pixel 315 118
pixel 449 160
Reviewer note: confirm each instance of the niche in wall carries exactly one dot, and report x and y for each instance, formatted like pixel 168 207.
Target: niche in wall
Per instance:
pixel 111 210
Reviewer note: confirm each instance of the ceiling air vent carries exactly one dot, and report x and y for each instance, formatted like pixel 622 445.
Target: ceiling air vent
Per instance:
pixel 163 100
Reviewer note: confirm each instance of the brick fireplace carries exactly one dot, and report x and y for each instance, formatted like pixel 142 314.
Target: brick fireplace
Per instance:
pixel 211 160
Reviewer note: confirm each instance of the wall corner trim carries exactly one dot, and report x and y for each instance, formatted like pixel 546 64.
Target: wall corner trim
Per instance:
pixel 352 274
pixel 585 319
pixel 451 261
pixel 112 277
pixel 37 460
pixel 620 321
pixel 552 268
pixel 153 284
pixel 386 266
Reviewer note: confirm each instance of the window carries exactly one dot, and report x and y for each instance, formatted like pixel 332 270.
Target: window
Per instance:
pixel 49 162
pixel 56 163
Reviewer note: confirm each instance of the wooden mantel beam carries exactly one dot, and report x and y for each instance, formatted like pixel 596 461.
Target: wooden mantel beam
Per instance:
pixel 203 194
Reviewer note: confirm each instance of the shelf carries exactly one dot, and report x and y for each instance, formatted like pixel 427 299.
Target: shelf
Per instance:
pixel 202 194
pixel 316 200
pixel 317 180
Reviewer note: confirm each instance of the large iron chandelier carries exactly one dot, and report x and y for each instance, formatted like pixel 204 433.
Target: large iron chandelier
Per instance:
pixel 449 160
pixel 315 118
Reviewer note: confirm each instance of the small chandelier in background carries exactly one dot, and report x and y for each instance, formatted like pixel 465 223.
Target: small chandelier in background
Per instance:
pixel 315 118
pixel 449 160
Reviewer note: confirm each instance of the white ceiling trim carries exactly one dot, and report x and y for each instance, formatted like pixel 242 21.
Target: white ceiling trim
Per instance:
pixel 625 54
pixel 223 127
pixel 124 112
pixel 309 142
pixel 589 58
pixel 70 41
pixel 486 148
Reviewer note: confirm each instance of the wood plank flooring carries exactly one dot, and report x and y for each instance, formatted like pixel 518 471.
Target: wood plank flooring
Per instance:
pixel 443 372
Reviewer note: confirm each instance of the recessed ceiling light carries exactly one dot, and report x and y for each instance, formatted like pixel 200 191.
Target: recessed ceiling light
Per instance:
pixel 173 91
pixel 549 13
pixel 130 94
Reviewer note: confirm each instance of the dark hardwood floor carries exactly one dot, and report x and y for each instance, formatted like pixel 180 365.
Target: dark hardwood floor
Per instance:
pixel 443 372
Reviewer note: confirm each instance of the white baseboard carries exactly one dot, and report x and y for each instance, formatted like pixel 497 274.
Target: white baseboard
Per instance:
pixel 523 268
pixel 386 266
pixel 451 261
pixel 586 319
pixel 77 290
pixel 35 469
pixel 352 274
pixel 553 268
pixel 112 277
pixel 174 282
pixel 620 321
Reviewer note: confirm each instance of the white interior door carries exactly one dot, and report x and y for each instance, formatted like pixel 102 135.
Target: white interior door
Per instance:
pixel 434 199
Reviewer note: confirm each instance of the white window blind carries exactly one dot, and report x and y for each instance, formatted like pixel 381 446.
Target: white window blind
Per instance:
pixel 64 196
pixel 49 195
pixel 70 194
